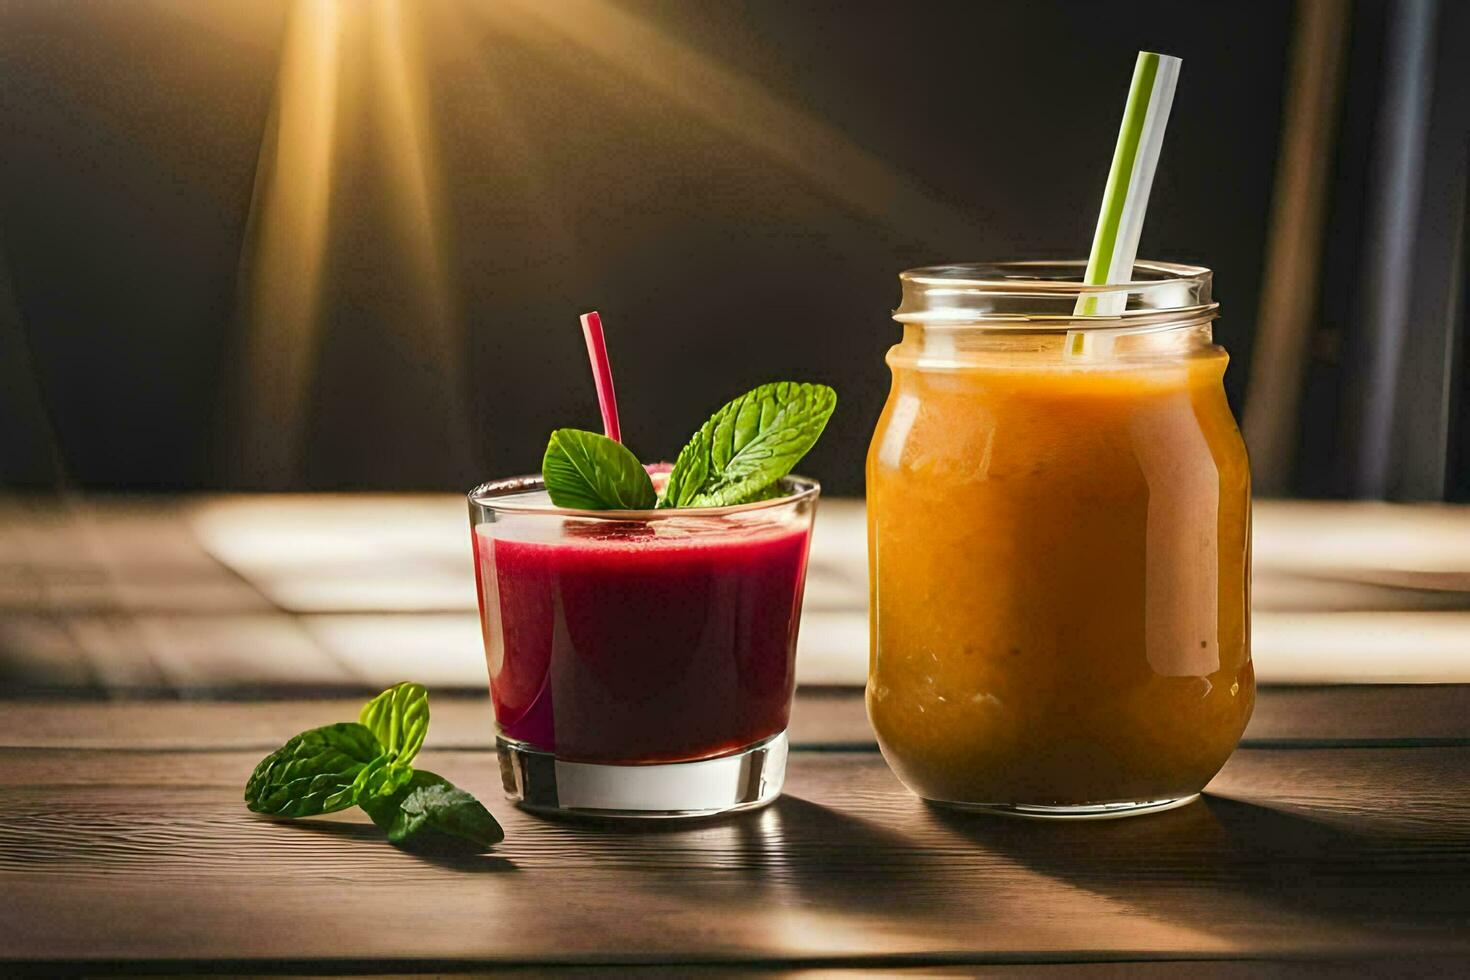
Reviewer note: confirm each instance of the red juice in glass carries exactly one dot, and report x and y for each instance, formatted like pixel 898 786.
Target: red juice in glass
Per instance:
pixel 625 646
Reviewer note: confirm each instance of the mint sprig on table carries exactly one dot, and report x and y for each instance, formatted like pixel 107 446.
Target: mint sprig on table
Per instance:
pixel 367 763
pixel 736 457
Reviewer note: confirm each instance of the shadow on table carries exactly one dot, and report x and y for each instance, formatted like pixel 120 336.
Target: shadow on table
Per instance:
pixel 791 854
pixel 442 851
pixel 833 859
pixel 841 884
pixel 1290 862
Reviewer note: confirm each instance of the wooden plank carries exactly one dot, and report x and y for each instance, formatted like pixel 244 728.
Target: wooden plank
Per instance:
pixel 821 717
pixel 103 594
pixel 111 553
pixel 870 968
pixel 38 653
pixel 151 857
pixel 358 553
pixel 282 540
pixel 827 717
pixel 1358 714
pixel 231 656
pixel 1362 647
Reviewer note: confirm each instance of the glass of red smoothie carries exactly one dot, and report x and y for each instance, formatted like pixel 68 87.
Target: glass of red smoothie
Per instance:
pixel 641 662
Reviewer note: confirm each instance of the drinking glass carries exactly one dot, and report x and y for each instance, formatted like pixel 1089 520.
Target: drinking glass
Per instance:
pixel 641 662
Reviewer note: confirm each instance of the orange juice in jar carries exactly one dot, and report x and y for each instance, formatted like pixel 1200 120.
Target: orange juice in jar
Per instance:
pixel 1059 544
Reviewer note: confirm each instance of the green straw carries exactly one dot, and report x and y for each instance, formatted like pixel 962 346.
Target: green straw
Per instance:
pixel 1125 199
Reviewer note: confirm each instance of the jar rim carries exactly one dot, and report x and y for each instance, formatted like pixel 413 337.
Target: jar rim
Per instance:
pixel 1041 293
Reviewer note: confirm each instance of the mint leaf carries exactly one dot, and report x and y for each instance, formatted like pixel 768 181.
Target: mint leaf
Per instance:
pixel 586 471
pixel 748 445
pixel 318 771
pixel 431 804
pixel 381 777
pixel 367 763
pixel 769 493
pixel 399 718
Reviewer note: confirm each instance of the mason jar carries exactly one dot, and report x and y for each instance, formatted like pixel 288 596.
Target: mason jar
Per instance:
pixel 1059 542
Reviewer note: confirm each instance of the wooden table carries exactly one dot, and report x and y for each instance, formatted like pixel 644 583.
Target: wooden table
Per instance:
pixel 1340 830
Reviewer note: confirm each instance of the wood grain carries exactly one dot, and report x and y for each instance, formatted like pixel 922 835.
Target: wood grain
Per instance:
pixel 821 717
pixel 151 856
pixel 1340 831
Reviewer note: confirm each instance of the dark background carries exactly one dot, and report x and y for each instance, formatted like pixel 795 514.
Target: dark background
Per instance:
pixel 722 251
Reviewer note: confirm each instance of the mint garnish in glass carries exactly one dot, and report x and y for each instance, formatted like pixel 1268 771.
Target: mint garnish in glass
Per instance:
pixel 737 457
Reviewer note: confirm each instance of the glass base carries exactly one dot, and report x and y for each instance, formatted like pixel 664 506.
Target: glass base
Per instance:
pixel 1085 811
pixel 743 780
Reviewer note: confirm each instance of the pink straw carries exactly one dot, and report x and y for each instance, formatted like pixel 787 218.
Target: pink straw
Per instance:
pixel 607 399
